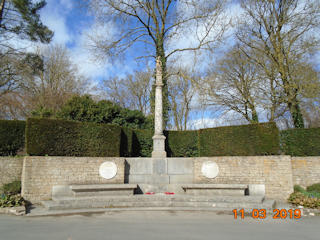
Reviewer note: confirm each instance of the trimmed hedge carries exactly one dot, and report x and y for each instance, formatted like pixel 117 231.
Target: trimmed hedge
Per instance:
pixel 182 143
pixel 126 142
pixel 11 137
pixel 244 140
pixel 69 138
pixel 142 143
pixel 301 142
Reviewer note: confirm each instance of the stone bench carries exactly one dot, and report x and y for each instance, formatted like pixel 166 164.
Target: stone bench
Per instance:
pixel 103 189
pixel 215 189
pixel 61 191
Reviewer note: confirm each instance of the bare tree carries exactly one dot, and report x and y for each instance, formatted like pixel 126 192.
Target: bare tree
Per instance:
pixel 132 91
pixel 114 89
pixel 12 65
pixel 310 80
pixel 48 86
pixel 233 84
pixel 181 94
pixel 153 23
pixel 283 32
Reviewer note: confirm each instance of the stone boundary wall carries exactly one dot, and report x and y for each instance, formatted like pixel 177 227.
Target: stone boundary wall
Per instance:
pixel 278 173
pixel 305 170
pixel 40 174
pixel 273 171
pixel 10 169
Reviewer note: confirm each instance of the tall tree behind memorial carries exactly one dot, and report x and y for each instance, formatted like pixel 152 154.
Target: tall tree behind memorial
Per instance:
pixel 132 91
pixel 153 23
pixel 233 84
pixel 181 94
pixel 19 19
pixel 285 32
pixel 46 86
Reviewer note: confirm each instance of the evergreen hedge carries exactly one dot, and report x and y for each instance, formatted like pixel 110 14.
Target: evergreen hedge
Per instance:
pixel 69 138
pixel 126 142
pixel 182 143
pixel 142 143
pixel 11 136
pixel 244 140
pixel 301 142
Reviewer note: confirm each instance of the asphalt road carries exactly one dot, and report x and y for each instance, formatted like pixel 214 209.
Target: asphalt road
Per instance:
pixel 156 225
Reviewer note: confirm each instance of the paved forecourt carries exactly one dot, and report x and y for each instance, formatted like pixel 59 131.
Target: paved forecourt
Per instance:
pixel 157 225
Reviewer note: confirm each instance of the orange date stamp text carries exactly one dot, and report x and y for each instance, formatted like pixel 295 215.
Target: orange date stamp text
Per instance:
pixel 262 213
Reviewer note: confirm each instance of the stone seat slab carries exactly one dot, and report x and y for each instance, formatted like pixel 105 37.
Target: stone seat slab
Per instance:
pixel 102 187
pixel 215 189
pixel 215 186
pixel 91 190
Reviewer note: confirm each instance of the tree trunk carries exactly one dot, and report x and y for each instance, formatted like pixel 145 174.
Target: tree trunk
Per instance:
pixel 296 114
pixel 294 106
pixel 254 115
pixel 1 10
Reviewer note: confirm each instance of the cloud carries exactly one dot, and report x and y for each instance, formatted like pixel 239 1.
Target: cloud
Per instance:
pixel 54 16
pixel 57 15
pixel 190 34
pixel 68 4
pixel 217 119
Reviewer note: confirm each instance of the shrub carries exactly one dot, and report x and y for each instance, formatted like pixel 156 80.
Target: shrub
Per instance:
pixel 12 188
pixel 11 137
pixel 11 200
pixel 10 196
pixel 298 188
pixel 301 142
pixel 85 109
pixel 69 138
pixel 182 143
pixel 244 140
pixel 298 198
pixel 314 188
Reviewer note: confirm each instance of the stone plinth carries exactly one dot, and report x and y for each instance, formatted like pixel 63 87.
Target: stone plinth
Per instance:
pixel 159 146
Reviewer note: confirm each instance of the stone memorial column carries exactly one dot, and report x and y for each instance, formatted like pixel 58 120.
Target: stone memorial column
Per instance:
pixel 158 138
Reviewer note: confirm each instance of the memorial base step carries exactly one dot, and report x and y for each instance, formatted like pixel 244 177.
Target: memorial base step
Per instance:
pixel 156 201
pixel 189 196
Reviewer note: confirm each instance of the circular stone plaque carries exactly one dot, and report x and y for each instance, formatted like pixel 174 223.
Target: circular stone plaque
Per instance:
pixel 108 170
pixel 210 169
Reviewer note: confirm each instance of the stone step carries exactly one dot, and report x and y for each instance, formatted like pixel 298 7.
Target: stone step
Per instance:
pixel 218 205
pixel 65 212
pixel 163 197
pixel 157 201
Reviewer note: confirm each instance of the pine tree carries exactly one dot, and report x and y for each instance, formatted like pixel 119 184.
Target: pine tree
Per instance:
pixel 21 18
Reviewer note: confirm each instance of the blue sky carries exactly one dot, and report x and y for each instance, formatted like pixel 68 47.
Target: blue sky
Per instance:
pixel 72 24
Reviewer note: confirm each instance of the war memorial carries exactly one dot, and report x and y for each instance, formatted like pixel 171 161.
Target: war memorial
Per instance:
pixel 60 184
